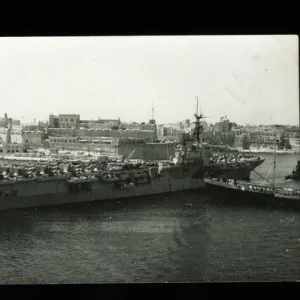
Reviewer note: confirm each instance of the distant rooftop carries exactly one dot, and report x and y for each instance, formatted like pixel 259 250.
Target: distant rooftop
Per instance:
pixel 68 114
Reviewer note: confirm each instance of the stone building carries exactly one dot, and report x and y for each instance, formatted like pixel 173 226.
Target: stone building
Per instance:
pixel 223 126
pixel 64 121
pixel 114 147
pixel 53 121
pixel 12 148
pixel 100 123
pixel 71 125
pixel 68 121
pixel 4 122
pixel 149 135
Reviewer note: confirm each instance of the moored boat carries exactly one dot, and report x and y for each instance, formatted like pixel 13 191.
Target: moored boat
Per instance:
pixel 247 191
pixel 295 175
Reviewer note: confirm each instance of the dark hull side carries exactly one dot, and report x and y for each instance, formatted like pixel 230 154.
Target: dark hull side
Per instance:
pixel 56 192
pixel 255 164
pixel 33 194
pixel 229 172
pixel 242 173
pixel 295 177
pixel 239 197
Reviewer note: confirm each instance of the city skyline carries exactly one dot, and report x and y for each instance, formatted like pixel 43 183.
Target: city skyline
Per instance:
pixel 166 124
pixel 120 77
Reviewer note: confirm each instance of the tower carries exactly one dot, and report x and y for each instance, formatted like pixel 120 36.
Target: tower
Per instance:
pixel 8 133
pixel 198 125
pixel 152 121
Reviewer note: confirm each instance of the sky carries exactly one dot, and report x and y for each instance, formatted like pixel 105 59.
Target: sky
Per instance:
pixel 249 79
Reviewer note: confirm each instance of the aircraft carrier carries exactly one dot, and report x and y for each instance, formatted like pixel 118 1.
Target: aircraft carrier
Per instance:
pixel 53 182
pixel 56 182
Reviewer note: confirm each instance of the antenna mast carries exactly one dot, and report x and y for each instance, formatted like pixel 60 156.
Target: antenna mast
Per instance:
pixel 274 164
pixel 299 133
pixel 152 109
pixel 198 127
pixel 200 109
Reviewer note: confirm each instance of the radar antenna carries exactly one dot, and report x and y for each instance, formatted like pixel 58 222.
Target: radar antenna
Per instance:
pixel 152 109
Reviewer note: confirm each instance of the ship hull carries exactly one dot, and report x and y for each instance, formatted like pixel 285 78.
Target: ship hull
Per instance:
pixel 57 193
pixel 295 177
pixel 258 199
pixel 254 164
pixel 242 173
pixel 229 171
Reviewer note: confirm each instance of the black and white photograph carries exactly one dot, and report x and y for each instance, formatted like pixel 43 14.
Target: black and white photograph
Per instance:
pixel 149 159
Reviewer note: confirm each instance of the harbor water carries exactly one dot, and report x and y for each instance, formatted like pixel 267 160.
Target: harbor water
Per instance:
pixel 154 239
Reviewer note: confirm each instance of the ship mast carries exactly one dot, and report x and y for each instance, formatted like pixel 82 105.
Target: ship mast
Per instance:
pixel 198 127
pixel 299 135
pixel 197 110
pixel 198 130
pixel 274 164
pixel 152 109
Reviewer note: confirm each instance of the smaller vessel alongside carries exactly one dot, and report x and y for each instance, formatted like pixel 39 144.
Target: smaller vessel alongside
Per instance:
pixel 295 175
pixel 247 191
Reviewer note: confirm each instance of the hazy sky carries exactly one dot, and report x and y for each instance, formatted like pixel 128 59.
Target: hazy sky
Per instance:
pixel 251 79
